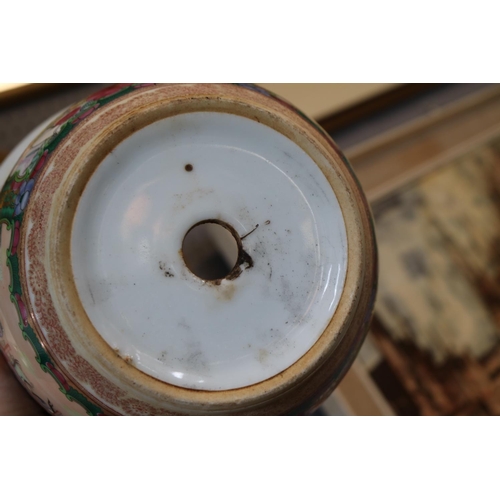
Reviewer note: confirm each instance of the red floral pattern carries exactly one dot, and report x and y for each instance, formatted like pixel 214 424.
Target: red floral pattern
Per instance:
pixel 108 91
pixel 15 239
pixel 22 309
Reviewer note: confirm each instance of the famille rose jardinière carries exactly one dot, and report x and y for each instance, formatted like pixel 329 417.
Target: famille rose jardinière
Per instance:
pixel 182 250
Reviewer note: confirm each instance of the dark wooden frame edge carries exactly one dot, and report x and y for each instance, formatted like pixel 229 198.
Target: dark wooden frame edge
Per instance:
pixel 365 109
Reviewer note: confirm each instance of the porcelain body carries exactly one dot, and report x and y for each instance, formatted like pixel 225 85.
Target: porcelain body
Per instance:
pixel 99 312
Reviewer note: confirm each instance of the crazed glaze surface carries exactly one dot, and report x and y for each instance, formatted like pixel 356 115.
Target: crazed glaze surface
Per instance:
pixel 69 373
pixel 133 281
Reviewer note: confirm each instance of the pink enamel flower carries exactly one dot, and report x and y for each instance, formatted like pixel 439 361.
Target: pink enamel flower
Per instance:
pixel 22 309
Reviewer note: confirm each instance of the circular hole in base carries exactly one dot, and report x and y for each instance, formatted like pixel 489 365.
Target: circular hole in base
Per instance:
pixel 211 249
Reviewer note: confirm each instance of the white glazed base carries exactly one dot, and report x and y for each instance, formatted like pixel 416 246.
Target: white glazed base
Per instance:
pixel 132 279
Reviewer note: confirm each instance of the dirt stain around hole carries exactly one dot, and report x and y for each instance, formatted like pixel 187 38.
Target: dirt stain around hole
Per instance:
pixel 166 272
pixel 244 259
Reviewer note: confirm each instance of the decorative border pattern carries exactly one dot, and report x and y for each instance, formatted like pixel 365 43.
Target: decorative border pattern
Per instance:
pixel 14 199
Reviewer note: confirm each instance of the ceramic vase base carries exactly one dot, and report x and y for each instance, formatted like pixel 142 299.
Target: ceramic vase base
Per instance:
pixel 133 280
pixel 110 216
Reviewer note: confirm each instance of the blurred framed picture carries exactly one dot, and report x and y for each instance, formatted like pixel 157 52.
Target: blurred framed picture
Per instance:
pixel 434 187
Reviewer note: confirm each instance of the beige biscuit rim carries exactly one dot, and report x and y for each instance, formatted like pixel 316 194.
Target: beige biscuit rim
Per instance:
pixel 90 344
